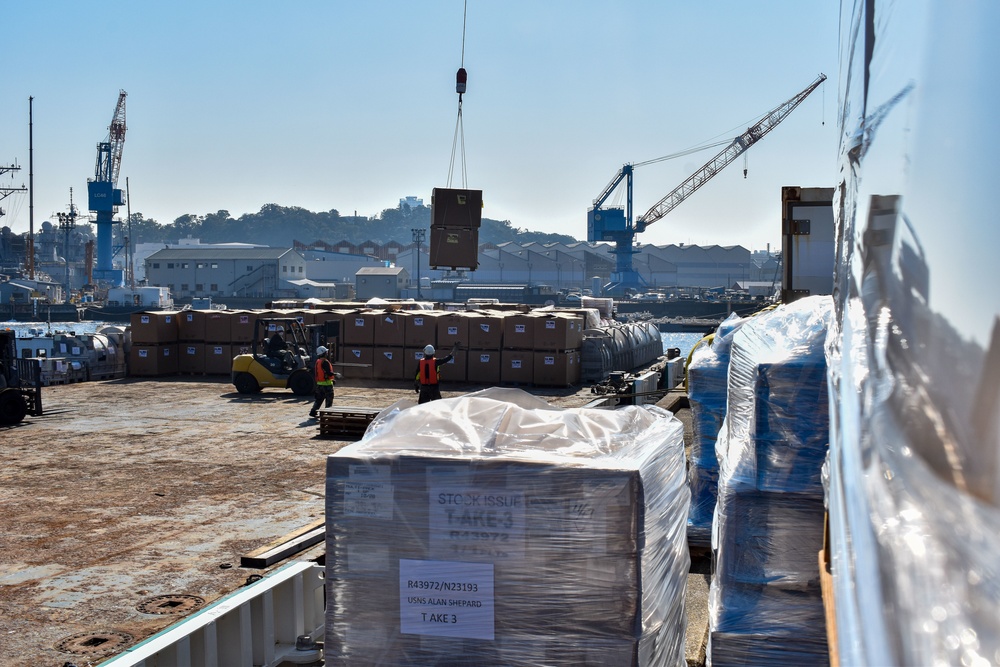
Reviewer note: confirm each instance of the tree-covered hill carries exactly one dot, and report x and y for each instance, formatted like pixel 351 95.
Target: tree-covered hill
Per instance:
pixel 279 226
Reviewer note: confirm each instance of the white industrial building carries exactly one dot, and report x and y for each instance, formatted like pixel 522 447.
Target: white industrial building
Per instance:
pixel 222 272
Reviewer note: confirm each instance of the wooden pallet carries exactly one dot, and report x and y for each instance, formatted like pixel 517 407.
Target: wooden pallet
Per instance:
pixel 347 420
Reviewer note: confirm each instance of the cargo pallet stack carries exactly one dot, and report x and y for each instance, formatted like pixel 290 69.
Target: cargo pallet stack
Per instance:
pixel 707 377
pixel 765 601
pixel 494 529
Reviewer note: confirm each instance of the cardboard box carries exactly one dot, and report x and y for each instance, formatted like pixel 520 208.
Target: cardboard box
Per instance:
pixel 420 328
pixel 358 328
pixel 322 317
pixel 191 358
pixel 454 370
pixel 517 367
pixel 452 328
pixel 483 366
pixel 558 331
pixel 411 361
pixel 218 359
pixel 357 354
pixel 153 360
pixel 388 329
pixel 486 330
pixel 519 331
pixel 387 363
pixel 242 323
pixel 154 327
pixel 218 326
pixel 557 369
pixel 456 208
pixel 454 248
pixel 191 325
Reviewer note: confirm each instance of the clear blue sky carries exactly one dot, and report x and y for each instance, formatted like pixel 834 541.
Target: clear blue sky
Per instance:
pixel 351 105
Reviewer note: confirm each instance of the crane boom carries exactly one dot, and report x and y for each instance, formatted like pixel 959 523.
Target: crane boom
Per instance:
pixel 109 151
pixel 739 146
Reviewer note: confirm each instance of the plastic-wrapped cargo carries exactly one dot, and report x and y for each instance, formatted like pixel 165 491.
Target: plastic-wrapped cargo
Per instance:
pixel 706 388
pixel 914 503
pixel 496 529
pixel 765 604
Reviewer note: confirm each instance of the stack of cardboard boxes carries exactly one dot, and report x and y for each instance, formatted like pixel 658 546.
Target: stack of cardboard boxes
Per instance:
pixel 191 342
pixel 558 339
pixel 484 357
pixel 154 344
pixel 455 219
pixel 495 347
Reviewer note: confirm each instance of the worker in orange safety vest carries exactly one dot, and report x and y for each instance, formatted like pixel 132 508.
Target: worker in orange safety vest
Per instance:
pixel 325 379
pixel 427 382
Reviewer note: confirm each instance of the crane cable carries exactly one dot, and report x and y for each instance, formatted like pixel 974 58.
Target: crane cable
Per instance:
pixel 459 128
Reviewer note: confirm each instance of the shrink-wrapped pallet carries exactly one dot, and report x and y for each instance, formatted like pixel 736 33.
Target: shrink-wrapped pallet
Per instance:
pixel 765 602
pixel 707 374
pixel 496 529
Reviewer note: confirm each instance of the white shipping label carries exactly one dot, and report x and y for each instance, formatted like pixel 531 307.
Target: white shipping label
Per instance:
pixel 470 522
pixel 190 317
pixel 244 319
pixel 389 319
pixel 166 351
pixel 446 599
pixel 388 355
pixel 144 319
pixel 368 492
pixel 217 350
pixel 550 324
pixel 518 328
pixel 452 331
pixel 356 353
pixel 515 363
pixel 484 358
pixel 192 350
pixel 359 321
pixel 549 361
pixel 143 354
pixel 418 321
pixel 485 328
pixel 168 319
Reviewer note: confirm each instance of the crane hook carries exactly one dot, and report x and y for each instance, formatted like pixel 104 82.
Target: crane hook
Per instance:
pixel 460 80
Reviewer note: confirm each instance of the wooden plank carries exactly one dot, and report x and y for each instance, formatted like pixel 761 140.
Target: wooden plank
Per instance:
pixel 292 543
pixel 826 586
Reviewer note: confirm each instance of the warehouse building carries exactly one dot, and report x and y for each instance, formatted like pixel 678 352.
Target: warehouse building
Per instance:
pixel 222 272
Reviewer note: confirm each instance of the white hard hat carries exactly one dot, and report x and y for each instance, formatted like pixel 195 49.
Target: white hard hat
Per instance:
pixel 321 350
pixel 429 350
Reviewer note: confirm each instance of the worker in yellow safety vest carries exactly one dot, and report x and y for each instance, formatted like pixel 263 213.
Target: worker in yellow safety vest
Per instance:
pixel 427 382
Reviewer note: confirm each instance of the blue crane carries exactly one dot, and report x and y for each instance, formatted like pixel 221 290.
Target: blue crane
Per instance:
pixel 615 224
pixel 104 197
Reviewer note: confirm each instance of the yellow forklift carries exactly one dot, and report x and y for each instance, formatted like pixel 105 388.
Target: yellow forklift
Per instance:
pixel 20 383
pixel 280 355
